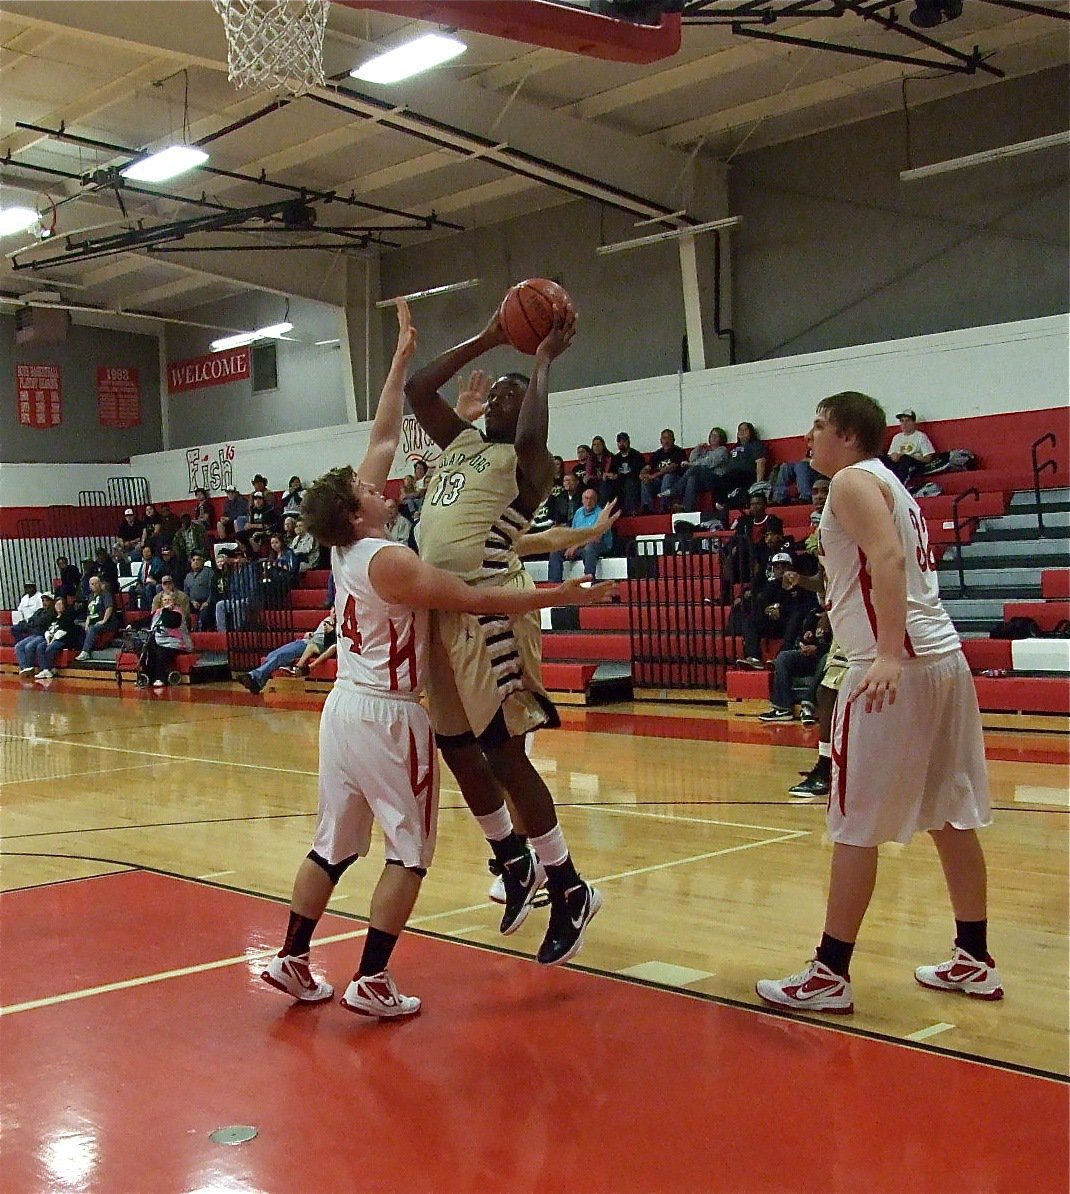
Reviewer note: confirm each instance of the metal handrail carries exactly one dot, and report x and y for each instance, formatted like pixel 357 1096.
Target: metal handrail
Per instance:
pixel 1041 468
pixel 972 518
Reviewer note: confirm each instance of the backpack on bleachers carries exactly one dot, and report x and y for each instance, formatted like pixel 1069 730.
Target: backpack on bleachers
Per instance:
pixel 1016 628
pixel 958 460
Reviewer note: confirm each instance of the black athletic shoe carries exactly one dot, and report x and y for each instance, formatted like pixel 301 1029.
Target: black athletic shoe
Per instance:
pixel 522 877
pixel 569 917
pixel 817 783
pixel 246 681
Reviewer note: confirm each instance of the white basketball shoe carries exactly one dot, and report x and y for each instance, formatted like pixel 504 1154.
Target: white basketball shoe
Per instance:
pixel 964 973
pixel 815 989
pixel 377 995
pixel 292 976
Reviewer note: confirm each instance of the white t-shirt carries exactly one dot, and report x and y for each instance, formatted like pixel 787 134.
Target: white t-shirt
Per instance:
pixel 381 645
pixel 916 445
pixel 26 608
pixel 848 599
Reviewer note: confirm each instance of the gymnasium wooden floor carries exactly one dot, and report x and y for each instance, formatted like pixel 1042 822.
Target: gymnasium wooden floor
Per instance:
pixel 148 846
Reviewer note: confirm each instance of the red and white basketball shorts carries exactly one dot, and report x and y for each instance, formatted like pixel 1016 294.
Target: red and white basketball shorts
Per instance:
pixel 916 765
pixel 377 762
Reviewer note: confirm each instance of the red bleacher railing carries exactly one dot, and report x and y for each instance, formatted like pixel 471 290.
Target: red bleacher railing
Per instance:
pixel 1039 469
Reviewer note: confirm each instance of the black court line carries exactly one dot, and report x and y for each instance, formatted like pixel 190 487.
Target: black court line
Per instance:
pixel 721 1000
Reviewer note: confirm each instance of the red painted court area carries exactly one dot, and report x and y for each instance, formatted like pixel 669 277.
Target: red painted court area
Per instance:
pixel 513 1078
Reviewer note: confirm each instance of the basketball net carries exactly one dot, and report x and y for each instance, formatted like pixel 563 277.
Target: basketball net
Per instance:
pixel 275 43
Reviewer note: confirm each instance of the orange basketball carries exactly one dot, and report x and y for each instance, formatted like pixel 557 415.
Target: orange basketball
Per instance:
pixel 527 312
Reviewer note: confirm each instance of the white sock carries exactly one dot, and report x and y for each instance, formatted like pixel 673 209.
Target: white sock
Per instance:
pixel 550 849
pixel 496 825
pixel 824 749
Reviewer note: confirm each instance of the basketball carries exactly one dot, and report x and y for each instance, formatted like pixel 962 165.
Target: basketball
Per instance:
pixel 527 312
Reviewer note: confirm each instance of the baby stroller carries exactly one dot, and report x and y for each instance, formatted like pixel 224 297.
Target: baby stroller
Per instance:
pixel 135 642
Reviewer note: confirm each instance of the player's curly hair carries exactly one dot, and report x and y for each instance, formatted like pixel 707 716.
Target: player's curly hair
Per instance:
pixel 330 504
pixel 852 413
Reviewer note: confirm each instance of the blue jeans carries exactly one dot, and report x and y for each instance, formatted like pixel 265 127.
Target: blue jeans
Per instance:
pixel 230 609
pixel 660 487
pixel 802 473
pixel 589 554
pixel 26 650
pixel 694 481
pixel 285 656
pixel 94 632
pixel 786 666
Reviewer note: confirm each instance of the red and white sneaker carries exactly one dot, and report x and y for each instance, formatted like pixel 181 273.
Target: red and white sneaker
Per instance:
pixel 378 995
pixel 815 989
pixel 292 976
pixel 963 972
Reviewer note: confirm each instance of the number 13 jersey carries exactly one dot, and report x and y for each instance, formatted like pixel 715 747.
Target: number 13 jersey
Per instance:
pixel 848 591
pixel 381 646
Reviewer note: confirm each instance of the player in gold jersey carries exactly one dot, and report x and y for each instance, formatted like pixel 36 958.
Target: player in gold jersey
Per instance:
pixel 485 687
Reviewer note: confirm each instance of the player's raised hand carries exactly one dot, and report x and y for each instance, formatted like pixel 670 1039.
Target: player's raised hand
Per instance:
pixel 406 345
pixel 473 395
pixel 607 518
pixel 585 590
pixel 560 336
pixel 494 334
pixel 880 683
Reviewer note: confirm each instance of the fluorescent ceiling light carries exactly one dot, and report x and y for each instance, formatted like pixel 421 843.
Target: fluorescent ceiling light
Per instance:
pixel 435 290
pixel 410 59
pixel 165 163
pixel 16 219
pixel 672 234
pixel 273 331
pixel 985 156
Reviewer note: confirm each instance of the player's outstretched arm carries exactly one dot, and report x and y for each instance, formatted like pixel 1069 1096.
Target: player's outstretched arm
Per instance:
pixel 386 430
pixel 399 576
pixel 432 411
pixel 537 543
pixel 862 506
pixel 534 461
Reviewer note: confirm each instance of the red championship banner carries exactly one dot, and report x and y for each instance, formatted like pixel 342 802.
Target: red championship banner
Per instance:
pixel 216 369
pixel 118 397
pixel 40 395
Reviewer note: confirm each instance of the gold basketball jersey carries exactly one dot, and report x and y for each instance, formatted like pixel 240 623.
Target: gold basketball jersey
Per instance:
pixel 469 522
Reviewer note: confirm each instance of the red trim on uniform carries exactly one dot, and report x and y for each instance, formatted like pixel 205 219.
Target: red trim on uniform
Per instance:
pixel 865 585
pixel 423 787
pixel 401 653
pixel 840 759
pixel 908 646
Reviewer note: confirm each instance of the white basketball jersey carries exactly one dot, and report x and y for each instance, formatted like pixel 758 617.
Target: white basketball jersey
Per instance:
pixel 929 630
pixel 381 646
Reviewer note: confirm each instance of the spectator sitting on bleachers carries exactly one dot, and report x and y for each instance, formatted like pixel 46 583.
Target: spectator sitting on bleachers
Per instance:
pixel 67 577
pixel 260 488
pixel 173 566
pixel 307 549
pixel 148 520
pixel 777 607
pixel 227 542
pixel 281 559
pixel 106 568
pixel 663 468
pixel 298 657
pixel 239 580
pixel 420 478
pixel 148 574
pixel 293 497
pixel 599 462
pixel 586 516
pixel 170 594
pixel 157 537
pixel 199 590
pixel 121 560
pixel 101 619
pixel 409 503
pixel 911 450
pixel 235 513
pixel 583 454
pixel 204 511
pixel 562 508
pixel 799 471
pixel 131 530
pixel 263 520
pixel 749 553
pixel 33 634
pixel 622 481
pixel 289 528
pixel 61 634
pixel 702 466
pixel 168 638
pixel 398 526
pixel 169 519
pixel 84 591
pixel 748 462
pixel 29 604
pixel 791 663
pixel 190 537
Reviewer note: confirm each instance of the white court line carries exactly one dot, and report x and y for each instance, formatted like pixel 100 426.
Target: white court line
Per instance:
pixel 146 979
pixel 632 812
pixel 923 1034
pixel 216 874
pixel 41 779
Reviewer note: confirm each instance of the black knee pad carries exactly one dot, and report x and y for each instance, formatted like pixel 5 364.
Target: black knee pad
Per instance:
pixel 416 870
pixel 335 870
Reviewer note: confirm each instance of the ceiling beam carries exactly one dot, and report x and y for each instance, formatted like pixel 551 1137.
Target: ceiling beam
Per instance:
pixel 155 294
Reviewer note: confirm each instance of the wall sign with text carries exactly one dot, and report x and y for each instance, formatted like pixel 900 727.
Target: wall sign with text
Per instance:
pixel 215 369
pixel 118 397
pixel 40 395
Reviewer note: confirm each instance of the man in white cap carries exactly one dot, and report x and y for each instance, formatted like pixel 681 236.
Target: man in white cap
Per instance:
pixel 130 530
pixel 911 450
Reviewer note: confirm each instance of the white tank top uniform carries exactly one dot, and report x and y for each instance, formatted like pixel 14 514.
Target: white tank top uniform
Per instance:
pixel 377 750
pixel 918 764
